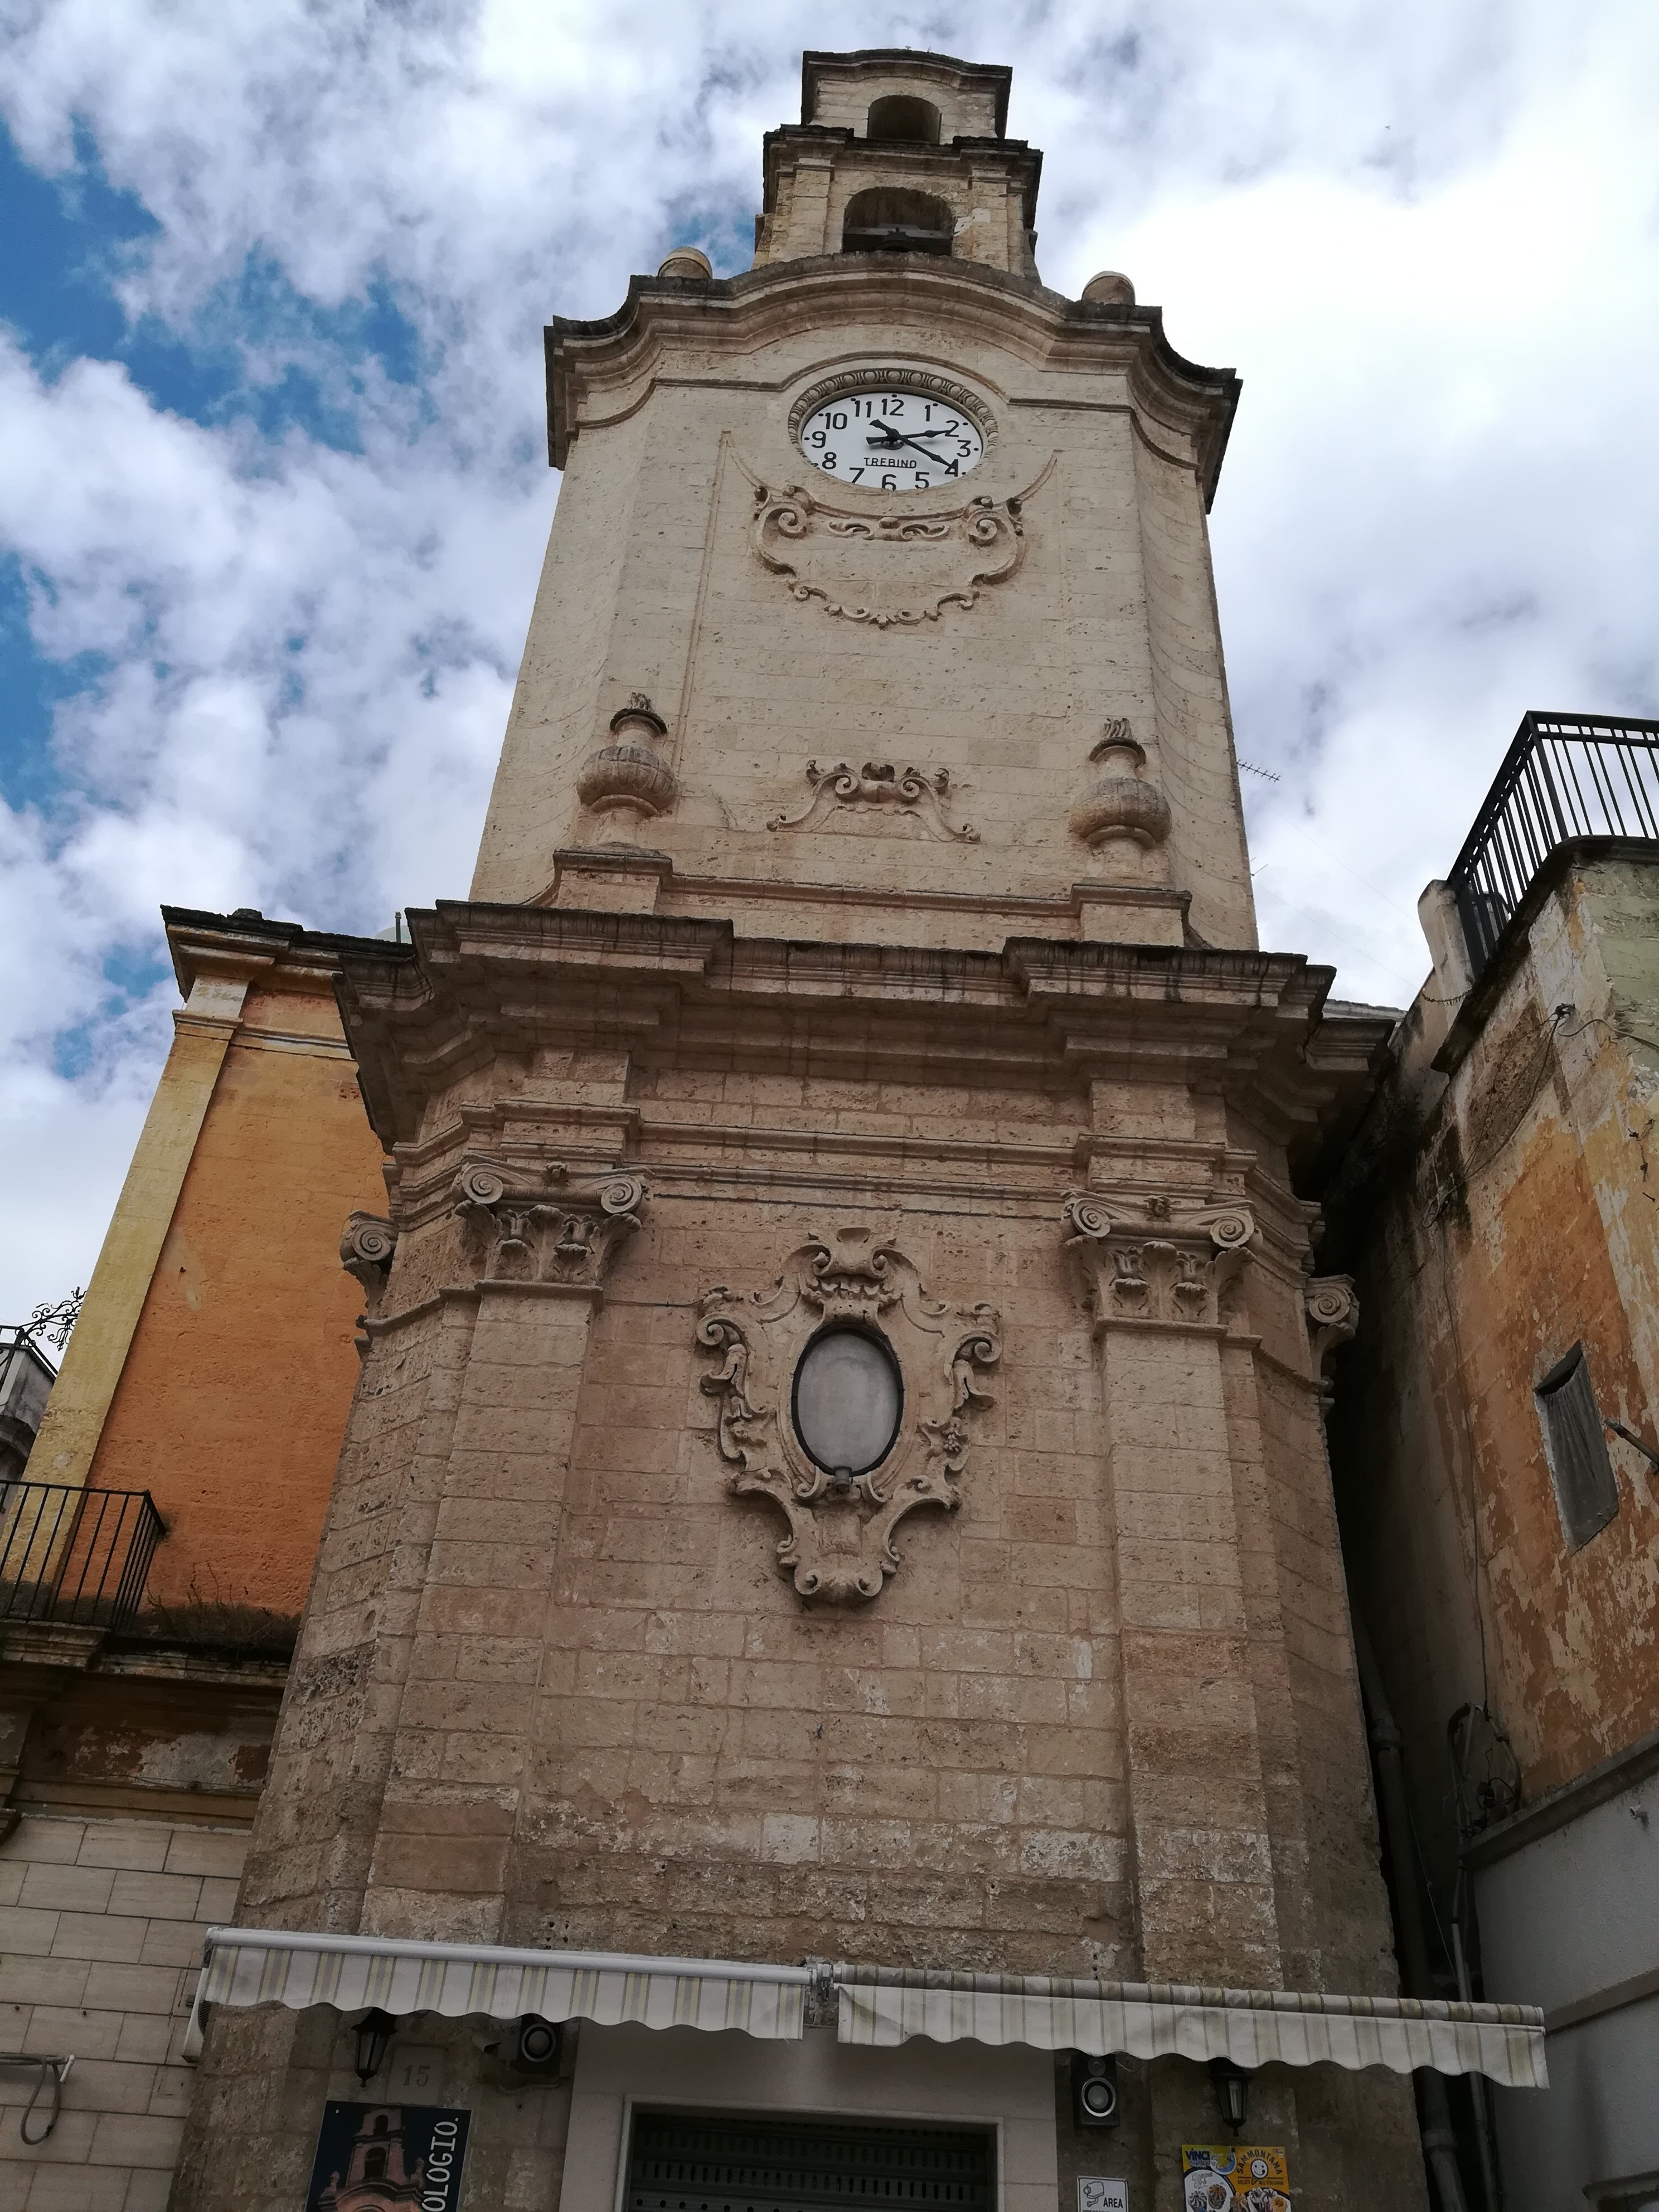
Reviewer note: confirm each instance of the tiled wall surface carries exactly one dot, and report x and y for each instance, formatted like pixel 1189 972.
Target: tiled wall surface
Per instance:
pixel 101 1935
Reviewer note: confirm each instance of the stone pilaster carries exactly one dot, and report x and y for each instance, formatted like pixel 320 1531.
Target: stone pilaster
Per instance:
pixel 1158 1281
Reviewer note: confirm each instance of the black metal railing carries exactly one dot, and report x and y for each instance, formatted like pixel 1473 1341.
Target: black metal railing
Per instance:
pixel 74 1557
pixel 1565 775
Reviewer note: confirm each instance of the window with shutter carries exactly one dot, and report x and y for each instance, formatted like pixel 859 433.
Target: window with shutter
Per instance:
pixel 1576 1446
pixel 777 2162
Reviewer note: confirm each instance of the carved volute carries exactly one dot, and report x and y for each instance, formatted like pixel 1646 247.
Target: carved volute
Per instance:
pixel 912 796
pixel 546 1226
pixel 367 1248
pixel 1163 1262
pixel 1333 1315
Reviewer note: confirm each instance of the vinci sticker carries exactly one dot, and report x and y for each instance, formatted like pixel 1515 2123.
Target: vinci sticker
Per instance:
pixel 409 2156
pixel 1234 2177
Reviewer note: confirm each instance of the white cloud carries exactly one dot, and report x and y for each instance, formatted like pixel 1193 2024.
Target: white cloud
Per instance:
pixel 1424 235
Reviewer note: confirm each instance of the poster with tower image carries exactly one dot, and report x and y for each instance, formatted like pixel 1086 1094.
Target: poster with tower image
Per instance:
pixel 388 2158
pixel 1234 2177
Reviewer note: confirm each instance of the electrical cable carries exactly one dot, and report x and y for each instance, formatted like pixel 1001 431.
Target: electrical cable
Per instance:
pixel 51 2069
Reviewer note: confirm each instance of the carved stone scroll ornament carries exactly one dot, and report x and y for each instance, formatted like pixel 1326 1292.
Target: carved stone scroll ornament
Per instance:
pixel 911 793
pixel 543 1225
pixel 1159 1260
pixel 840 1544
pixel 899 569
pixel 366 1250
pixel 1333 1312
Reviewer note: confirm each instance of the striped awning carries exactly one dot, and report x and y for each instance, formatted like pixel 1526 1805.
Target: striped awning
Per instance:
pixel 877 2006
pixel 266 1965
pixel 887 2005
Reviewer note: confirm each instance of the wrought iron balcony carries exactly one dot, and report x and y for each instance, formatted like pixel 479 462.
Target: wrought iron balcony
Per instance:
pixel 1565 775
pixel 71 1557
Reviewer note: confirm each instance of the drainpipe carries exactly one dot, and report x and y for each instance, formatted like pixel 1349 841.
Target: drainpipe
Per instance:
pixel 1483 2123
pixel 1440 2142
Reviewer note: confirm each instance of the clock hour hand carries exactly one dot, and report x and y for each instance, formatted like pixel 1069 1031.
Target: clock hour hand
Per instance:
pixel 896 438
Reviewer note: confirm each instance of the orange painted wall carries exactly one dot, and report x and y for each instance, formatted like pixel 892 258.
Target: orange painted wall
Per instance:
pixel 234 1395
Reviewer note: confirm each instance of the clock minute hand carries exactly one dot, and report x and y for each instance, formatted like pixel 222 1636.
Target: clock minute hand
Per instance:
pixel 896 438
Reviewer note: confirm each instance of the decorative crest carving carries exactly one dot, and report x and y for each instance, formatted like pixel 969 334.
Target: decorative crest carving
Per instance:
pixel 909 794
pixel 538 1225
pixel 840 1544
pixel 1333 1312
pixel 1158 1259
pixel 899 568
pixel 366 1250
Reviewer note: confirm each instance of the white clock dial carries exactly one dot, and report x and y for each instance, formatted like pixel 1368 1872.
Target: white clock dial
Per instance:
pixel 892 440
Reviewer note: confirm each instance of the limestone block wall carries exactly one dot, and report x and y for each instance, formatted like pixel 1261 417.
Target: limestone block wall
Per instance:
pixel 559 1684
pixel 772 630
pixel 614 1716
pixel 840 88
pixel 985 191
pixel 101 1930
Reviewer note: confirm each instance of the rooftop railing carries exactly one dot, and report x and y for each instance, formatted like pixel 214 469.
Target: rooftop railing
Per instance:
pixel 1565 775
pixel 74 1557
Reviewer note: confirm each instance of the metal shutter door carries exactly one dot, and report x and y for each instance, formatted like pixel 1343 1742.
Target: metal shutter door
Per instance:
pixel 747 2162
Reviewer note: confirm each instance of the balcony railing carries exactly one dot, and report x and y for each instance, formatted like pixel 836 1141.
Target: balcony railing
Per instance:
pixel 74 1557
pixel 1565 775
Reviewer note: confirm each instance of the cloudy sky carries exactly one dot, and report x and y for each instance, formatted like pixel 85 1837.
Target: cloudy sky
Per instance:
pixel 273 487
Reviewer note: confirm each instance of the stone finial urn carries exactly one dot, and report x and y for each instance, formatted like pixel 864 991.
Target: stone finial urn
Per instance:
pixel 687 261
pixel 1110 288
pixel 1120 815
pixel 627 782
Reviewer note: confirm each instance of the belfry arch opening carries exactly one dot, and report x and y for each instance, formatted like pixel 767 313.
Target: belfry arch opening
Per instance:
pixel 887 219
pixel 904 118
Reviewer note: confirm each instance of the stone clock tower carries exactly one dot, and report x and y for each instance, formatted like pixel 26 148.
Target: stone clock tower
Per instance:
pixel 831 1588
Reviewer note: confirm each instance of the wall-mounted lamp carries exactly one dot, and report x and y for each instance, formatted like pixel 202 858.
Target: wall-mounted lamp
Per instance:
pixel 374 2032
pixel 1232 2092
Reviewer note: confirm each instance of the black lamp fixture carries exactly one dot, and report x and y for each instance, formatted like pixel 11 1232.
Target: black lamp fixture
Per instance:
pixel 374 2032
pixel 1232 2092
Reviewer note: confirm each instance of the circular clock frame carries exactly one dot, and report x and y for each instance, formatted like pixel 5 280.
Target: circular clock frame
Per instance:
pixel 926 383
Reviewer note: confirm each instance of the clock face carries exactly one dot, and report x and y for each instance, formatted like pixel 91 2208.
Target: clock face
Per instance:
pixel 892 440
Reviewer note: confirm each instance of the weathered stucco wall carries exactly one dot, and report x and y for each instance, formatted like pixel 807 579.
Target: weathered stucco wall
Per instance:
pixel 1499 1208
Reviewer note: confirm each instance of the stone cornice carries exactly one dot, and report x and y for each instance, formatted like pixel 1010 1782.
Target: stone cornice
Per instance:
pixel 282 954
pixel 734 316
pixel 492 981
